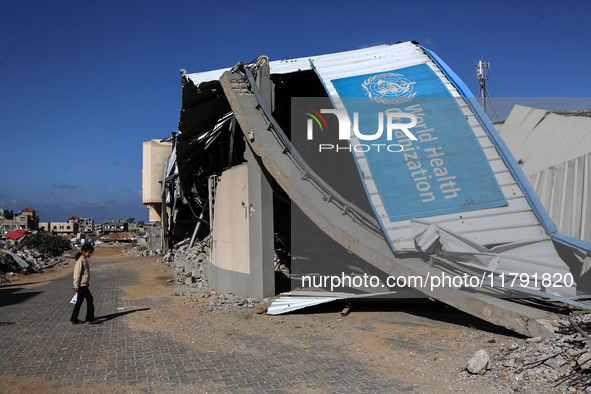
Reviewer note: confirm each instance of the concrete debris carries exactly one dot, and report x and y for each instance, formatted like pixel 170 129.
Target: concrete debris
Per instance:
pixel 35 260
pixel 143 251
pixel 189 270
pixel 560 365
pixel 479 363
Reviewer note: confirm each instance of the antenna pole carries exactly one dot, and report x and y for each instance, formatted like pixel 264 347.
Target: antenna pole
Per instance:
pixel 482 69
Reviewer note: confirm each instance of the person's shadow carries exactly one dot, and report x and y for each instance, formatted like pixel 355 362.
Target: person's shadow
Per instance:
pixel 119 314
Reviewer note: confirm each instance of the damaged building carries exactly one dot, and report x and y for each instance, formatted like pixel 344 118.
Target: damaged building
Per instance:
pixel 282 158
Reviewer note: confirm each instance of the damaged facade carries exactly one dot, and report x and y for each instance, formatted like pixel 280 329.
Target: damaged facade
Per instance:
pixel 26 219
pixel 456 204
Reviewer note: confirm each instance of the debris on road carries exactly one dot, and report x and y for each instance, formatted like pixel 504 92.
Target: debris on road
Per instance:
pixel 20 256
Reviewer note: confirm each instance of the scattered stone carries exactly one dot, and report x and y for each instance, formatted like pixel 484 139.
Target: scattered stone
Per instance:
pixel 479 363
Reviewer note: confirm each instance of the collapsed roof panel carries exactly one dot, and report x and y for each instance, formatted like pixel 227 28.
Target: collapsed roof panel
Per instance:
pixel 541 139
pixel 276 67
pixel 564 191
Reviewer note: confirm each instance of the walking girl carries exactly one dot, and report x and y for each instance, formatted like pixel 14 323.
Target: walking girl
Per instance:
pixel 81 281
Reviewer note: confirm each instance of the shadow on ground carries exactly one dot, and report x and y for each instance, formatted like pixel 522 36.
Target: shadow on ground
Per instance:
pixel 425 308
pixel 13 295
pixel 119 314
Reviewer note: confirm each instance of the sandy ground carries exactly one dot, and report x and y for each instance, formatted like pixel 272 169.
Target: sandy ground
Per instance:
pixel 425 345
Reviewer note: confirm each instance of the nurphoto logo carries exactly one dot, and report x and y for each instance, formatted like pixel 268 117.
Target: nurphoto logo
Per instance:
pixel 394 125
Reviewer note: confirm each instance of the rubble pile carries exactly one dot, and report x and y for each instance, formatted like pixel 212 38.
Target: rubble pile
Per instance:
pixel 143 251
pixel 34 259
pixel 562 365
pixel 189 262
pixel 189 269
pixel 206 300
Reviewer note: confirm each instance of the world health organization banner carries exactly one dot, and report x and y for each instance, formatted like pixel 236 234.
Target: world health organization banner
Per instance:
pixel 423 156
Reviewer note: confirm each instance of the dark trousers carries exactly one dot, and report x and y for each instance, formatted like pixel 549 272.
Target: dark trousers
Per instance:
pixel 84 294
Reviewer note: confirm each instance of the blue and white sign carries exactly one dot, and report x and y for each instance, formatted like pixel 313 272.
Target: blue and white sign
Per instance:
pixel 442 168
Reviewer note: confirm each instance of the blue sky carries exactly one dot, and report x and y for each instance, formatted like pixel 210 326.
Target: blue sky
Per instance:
pixel 83 84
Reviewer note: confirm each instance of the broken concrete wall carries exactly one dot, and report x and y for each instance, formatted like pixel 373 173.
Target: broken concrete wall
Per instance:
pixel 242 249
pixel 154 238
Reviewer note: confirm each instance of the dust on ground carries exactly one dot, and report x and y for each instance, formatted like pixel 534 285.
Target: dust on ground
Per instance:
pixel 423 344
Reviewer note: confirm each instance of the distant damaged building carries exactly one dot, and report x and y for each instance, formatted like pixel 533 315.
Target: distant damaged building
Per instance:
pixel 26 219
pixel 378 172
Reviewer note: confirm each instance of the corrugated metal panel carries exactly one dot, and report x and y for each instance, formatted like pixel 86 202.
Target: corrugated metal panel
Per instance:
pixel 553 150
pixel 532 258
pixel 206 76
pixel 511 221
pixel 359 57
pixel 286 303
pixel 355 58
pixel 277 67
pixel 295 300
pixel 541 139
pixel 564 191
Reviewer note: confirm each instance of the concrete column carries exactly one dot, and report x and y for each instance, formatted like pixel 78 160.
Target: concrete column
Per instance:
pixel 260 196
pixel 242 258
